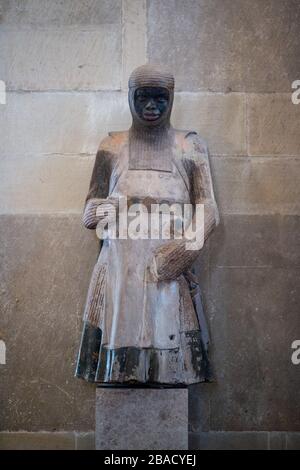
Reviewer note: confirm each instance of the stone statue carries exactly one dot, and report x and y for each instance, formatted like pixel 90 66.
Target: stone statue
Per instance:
pixel 143 319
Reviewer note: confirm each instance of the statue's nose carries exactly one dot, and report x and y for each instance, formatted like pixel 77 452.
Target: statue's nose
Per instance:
pixel 150 105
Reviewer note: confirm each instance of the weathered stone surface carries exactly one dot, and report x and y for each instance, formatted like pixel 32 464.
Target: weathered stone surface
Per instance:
pixel 44 440
pixel 219 118
pixel 37 441
pixel 234 297
pixel 41 184
pixel 257 185
pixel 254 318
pixel 84 441
pixel 219 45
pixel 199 409
pixel 277 440
pixel 202 441
pixel 242 185
pixel 75 123
pixel 248 271
pixel 252 307
pixel 141 419
pixel 61 59
pixel 293 441
pixel 228 441
pixel 273 125
pixel 256 241
pixel 36 123
pixel 46 263
pixel 134 39
pixel 40 13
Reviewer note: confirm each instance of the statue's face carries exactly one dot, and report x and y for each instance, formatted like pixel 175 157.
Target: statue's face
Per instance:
pixel 151 102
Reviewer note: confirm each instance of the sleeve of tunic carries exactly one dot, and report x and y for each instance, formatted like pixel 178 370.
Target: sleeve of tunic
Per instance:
pixel 173 258
pixel 99 184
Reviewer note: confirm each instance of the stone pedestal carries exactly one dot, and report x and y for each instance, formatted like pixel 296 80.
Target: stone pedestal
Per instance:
pixel 141 418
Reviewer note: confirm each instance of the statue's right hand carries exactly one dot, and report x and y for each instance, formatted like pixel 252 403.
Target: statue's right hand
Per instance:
pixel 107 207
pixel 98 208
pixel 89 213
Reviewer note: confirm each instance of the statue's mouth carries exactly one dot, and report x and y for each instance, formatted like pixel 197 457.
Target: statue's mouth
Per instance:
pixel 150 116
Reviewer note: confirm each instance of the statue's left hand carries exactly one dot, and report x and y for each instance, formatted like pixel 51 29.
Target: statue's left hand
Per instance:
pixel 167 262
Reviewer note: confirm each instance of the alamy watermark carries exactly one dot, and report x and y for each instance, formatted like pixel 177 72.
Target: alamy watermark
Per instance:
pixel 296 93
pixel 139 221
pixel 296 354
pixel 2 92
pixel 2 352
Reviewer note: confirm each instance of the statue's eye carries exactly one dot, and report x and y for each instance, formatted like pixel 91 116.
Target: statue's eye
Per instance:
pixel 141 98
pixel 161 99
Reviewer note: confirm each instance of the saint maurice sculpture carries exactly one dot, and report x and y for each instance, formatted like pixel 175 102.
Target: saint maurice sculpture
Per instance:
pixel 143 319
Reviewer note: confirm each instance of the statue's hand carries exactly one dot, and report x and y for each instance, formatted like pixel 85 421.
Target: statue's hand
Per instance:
pixel 165 263
pixel 172 259
pixel 107 208
pixel 89 214
pixel 98 208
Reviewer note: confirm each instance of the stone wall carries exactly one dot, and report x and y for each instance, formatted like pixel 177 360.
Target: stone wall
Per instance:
pixel 65 65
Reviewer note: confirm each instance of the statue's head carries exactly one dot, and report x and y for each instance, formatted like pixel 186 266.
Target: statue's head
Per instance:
pixel 151 93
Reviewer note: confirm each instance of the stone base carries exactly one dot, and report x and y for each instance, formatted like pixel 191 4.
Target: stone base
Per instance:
pixel 141 418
